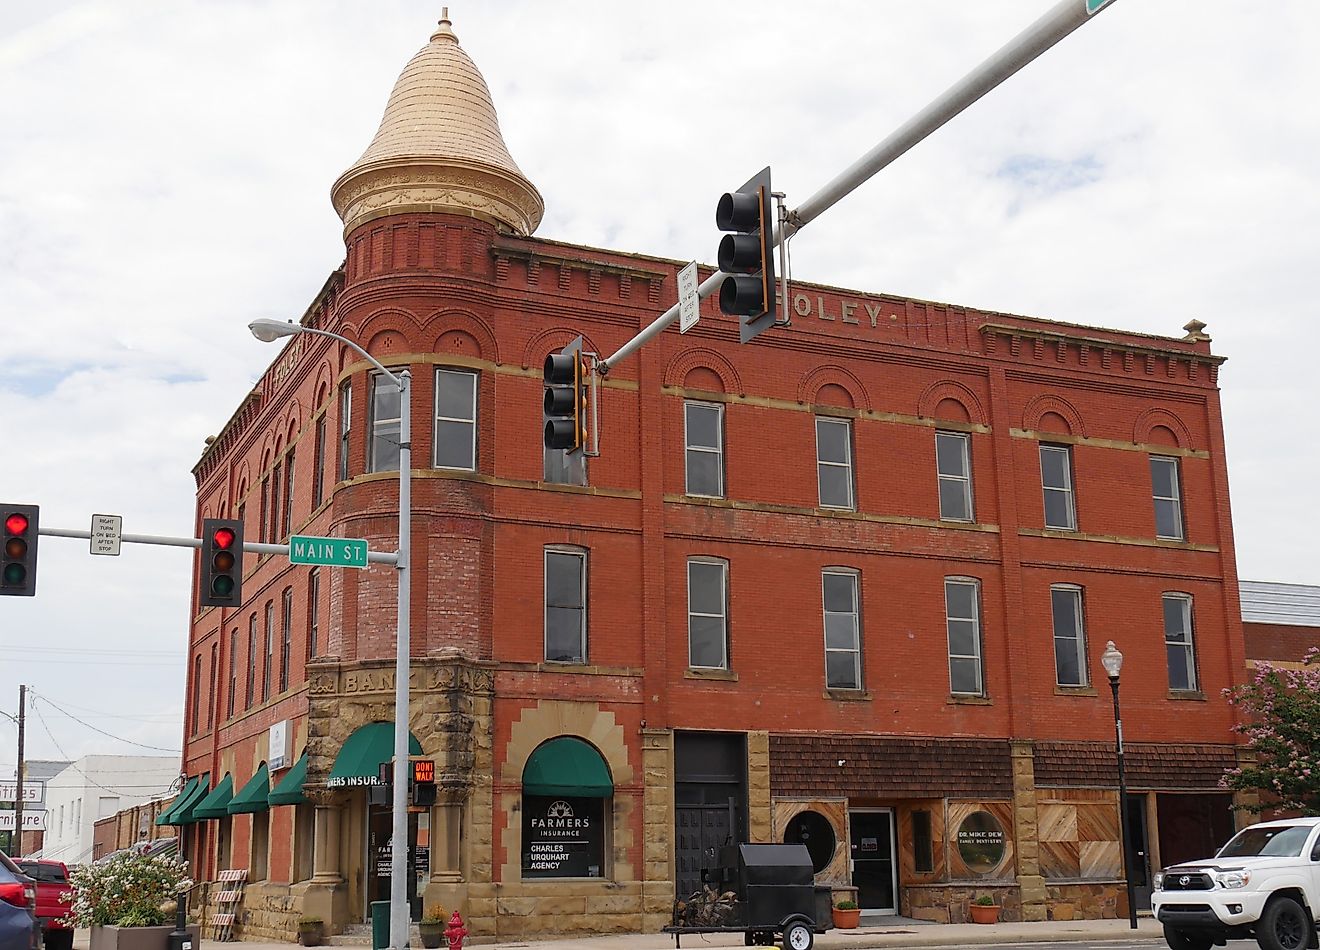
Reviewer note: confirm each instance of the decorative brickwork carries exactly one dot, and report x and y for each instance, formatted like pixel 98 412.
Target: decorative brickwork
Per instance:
pixel 876 766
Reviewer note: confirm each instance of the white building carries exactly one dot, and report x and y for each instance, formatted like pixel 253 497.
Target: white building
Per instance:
pixel 94 787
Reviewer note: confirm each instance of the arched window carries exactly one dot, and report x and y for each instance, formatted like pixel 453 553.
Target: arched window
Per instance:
pixel 567 791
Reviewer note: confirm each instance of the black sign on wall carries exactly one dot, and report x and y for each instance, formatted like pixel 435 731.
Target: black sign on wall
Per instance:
pixel 563 837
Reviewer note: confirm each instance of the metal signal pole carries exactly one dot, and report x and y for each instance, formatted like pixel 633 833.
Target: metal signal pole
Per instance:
pixel 18 775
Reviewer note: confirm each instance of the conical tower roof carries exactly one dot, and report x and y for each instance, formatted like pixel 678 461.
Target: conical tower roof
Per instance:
pixel 438 148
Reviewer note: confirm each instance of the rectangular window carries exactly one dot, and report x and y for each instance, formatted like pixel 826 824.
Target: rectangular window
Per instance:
pixel 1168 497
pixel 288 496
pixel 313 611
pixel 843 639
pixel 345 426
pixel 251 695
pixel 565 606
pixel 213 686
pixel 953 467
pixel 1056 481
pixel 1069 636
pixel 708 614
pixel 834 472
pixel 197 693
pixel 1178 642
pixel 386 419
pixel 276 505
pixel 923 851
pixel 265 510
pixel 233 673
pixel 962 611
pixel 286 637
pixel 318 464
pixel 455 419
pixel 703 425
pixel 269 653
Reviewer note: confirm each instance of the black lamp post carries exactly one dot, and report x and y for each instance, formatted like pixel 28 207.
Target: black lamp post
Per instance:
pixel 1112 661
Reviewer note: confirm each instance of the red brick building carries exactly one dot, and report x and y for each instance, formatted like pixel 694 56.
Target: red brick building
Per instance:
pixel 848 584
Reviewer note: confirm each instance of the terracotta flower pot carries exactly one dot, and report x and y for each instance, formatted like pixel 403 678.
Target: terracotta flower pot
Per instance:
pixel 985 913
pixel 847 919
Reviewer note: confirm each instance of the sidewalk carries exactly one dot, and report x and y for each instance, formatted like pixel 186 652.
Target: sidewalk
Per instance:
pixel 896 932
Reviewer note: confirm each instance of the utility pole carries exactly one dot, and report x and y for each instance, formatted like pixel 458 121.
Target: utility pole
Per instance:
pixel 18 775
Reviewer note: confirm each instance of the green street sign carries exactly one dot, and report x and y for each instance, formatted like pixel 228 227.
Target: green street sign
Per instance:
pixel 328 552
pixel 1094 5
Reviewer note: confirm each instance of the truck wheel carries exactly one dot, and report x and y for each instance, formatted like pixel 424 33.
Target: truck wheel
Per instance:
pixel 798 936
pixel 1182 940
pixel 1283 926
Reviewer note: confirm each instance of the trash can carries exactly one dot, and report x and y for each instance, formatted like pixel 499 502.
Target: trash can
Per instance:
pixel 380 925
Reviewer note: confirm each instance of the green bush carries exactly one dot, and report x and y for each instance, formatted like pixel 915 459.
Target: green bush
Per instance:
pixel 985 900
pixel 846 905
pixel 129 890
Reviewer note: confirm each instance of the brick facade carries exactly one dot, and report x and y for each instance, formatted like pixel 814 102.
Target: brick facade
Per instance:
pixel 428 290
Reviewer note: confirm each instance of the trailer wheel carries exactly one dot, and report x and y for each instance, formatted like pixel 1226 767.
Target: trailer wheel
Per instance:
pixel 798 936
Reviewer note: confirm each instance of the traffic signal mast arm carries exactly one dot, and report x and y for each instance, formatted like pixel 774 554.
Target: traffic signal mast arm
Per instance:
pixel 249 547
pixel 1049 29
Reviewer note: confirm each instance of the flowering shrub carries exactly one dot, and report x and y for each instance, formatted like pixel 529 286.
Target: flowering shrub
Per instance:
pixel 128 890
pixel 1282 712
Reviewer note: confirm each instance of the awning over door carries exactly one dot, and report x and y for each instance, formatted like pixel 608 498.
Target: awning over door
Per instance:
pixel 166 816
pixel 289 791
pixel 567 766
pixel 181 814
pixel 254 794
pixel 363 753
pixel 216 805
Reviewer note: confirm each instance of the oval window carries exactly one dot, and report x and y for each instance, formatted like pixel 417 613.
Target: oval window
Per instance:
pixel 815 831
pixel 980 842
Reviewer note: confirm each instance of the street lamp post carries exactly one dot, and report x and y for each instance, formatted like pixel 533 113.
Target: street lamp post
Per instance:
pixel 268 331
pixel 1112 661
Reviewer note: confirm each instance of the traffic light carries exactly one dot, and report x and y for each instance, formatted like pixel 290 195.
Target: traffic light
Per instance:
pixel 748 255
pixel 18 561
pixel 566 380
pixel 222 563
pixel 422 787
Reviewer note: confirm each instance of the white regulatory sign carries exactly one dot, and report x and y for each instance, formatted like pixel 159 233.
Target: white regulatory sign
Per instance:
pixel 106 532
pixel 689 303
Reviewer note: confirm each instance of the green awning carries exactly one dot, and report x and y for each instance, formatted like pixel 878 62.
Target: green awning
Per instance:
pixel 188 788
pixel 363 753
pixel 289 791
pixel 216 805
pixel 254 794
pixel 183 815
pixel 567 766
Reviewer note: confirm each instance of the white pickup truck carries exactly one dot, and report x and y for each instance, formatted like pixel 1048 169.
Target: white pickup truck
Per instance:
pixel 1265 883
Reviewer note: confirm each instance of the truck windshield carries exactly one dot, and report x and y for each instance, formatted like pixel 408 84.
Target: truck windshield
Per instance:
pixel 1281 841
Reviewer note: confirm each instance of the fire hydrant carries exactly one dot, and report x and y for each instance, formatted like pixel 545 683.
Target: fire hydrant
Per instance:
pixel 455 932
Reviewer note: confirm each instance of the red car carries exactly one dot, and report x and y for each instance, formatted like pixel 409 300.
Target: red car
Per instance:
pixel 19 929
pixel 53 896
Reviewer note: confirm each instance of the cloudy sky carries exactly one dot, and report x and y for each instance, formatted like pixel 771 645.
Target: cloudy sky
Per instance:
pixel 165 171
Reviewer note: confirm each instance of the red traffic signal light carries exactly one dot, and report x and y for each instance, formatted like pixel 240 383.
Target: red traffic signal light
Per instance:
pixel 748 255
pixel 18 559
pixel 222 563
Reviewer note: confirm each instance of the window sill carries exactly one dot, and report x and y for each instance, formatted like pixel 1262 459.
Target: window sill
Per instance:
pixel 1075 691
pixel 1187 695
pixel 699 673
pixel 963 700
pixel 848 695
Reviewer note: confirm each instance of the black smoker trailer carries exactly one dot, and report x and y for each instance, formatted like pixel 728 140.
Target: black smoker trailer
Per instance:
pixel 761 890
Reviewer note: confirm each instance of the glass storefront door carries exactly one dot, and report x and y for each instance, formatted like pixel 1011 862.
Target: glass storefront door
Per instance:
pixel 873 866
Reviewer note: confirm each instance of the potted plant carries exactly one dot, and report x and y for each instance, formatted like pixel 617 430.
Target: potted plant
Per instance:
pixel 311 931
pixel 431 927
pixel 129 900
pixel 984 910
pixel 847 915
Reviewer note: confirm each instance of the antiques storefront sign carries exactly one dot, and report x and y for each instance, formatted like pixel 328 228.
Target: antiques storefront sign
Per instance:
pixel 563 837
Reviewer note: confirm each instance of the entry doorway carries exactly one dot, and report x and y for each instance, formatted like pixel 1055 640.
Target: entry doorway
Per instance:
pixel 874 868
pixel 1140 853
pixel 380 822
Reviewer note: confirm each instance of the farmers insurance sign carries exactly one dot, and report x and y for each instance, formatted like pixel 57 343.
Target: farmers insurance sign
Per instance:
pixel 563 837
